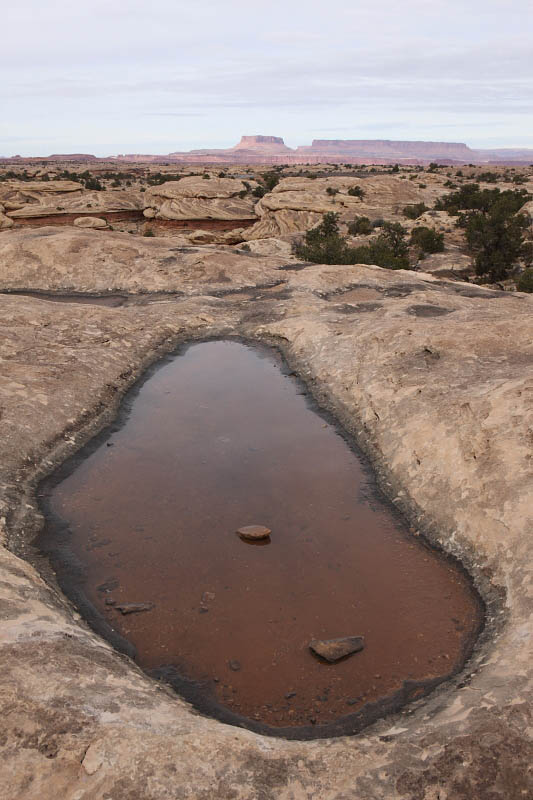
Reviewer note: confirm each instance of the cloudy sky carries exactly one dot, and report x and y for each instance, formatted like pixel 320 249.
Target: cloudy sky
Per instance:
pixel 163 75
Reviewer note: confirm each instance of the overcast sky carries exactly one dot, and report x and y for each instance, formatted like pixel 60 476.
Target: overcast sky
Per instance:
pixel 163 75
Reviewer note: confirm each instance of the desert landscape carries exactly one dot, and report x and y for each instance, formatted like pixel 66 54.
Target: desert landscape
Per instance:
pixel 390 302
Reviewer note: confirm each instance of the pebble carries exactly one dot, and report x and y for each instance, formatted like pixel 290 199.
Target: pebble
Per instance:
pixel 335 649
pixel 254 532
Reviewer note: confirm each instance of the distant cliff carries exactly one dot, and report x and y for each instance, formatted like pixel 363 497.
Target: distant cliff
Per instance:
pixel 384 148
pixel 272 150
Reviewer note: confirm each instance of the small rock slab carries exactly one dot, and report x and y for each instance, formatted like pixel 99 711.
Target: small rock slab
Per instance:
pixel 133 608
pixel 254 532
pixel 335 649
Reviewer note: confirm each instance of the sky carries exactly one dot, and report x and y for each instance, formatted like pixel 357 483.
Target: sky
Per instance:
pixel 165 75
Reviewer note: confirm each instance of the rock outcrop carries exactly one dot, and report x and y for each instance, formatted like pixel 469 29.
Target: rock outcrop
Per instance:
pixel 74 260
pixel 75 202
pixel 90 222
pixel 198 199
pixel 440 399
pixel 297 204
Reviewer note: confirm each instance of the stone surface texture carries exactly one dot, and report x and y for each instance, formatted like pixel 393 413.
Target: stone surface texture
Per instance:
pixel 90 222
pixel 335 649
pixel 56 198
pixel 440 399
pixel 199 198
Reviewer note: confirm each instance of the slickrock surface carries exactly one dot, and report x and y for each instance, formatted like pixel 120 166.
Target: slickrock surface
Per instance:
pixel 433 378
pixel 197 198
pixel 74 260
pixel 24 200
pixel 297 204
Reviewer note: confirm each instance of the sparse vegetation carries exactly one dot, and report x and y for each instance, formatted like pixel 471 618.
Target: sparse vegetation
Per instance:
pixel 324 245
pixel 270 179
pixel 360 226
pixel 493 226
pixel 427 240
pixel 524 282
pixel 414 210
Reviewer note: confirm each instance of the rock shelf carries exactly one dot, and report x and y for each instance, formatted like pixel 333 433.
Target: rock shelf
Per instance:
pixel 442 406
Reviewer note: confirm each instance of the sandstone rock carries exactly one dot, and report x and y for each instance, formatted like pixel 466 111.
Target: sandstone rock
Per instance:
pixel 90 222
pixel 451 439
pixel 335 649
pixel 254 532
pixel 198 198
pixel 40 203
pixel 111 261
pixel 281 223
pixel 5 222
pixel 198 187
pixel 232 237
pixel 270 247
pixel 451 263
pixel 201 237
pixel 197 208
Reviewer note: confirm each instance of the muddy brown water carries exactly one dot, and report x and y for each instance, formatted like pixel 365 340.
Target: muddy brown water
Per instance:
pixel 219 437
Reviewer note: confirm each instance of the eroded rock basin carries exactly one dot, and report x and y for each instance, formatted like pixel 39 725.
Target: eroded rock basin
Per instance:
pixel 217 438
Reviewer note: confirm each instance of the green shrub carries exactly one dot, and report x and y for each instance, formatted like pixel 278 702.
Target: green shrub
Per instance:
pixel 488 177
pixel 149 232
pixel 356 191
pixel 496 239
pixel 324 245
pixel 270 179
pixel 360 225
pixel 332 191
pixel 427 240
pixel 525 281
pixel 471 198
pixel 494 228
pixel 414 210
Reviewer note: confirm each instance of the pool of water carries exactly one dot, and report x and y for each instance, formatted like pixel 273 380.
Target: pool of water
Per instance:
pixel 218 437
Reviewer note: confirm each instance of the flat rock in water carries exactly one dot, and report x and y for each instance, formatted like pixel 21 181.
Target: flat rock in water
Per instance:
pixel 254 532
pixel 134 608
pixel 335 649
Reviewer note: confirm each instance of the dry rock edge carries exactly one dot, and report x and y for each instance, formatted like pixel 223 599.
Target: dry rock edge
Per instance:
pixel 442 404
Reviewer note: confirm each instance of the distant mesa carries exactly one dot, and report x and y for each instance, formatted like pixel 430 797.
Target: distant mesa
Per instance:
pixel 271 144
pixel 259 149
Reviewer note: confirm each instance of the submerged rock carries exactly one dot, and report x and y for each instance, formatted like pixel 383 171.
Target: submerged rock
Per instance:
pixel 254 532
pixel 134 608
pixel 335 649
